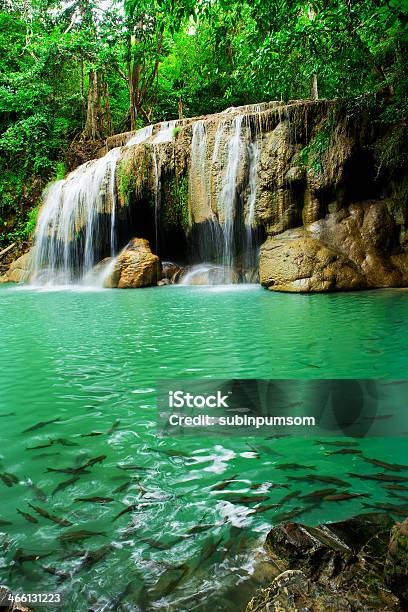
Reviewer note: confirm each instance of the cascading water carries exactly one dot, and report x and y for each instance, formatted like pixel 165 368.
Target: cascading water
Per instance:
pixel 141 135
pixel 76 222
pixel 166 133
pixel 229 191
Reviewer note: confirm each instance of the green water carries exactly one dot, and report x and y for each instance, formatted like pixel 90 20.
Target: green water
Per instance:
pixel 92 358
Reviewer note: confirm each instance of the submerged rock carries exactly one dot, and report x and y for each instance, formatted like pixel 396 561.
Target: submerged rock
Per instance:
pixel 396 567
pixel 136 266
pixel 339 567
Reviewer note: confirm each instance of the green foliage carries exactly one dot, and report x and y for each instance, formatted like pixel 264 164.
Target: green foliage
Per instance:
pixel 176 209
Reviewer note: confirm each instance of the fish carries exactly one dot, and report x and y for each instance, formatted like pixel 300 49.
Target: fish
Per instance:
pixel 281 517
pixel 114 426
pixel 345 451
pixel 45 456
pixel 65 442
pixel 81 469
pixel 8 479
pixel 247 499
pixel 169 452
pixel 391 508
pixel 335 443
pixel 161 545
pixel 380 477
pixel 7 414
pixel 396 487
pixel 41 424
pixel 396 496
pixel 51 517
pixel 264 508
pixel 39 493
pixel 344 496
pixel 396 467
pixel 223 484
pixel 28 517
pixel 63 485
pixel 294 466
pixel 4 522
pixel 92 434
pixel 81 534
pixel 122 487
pixel 95 500
pixel 94 461
pixel 130 508
pixel 313 478
pixel 317 494
pixel 50 443
pixel 94 556
pixel 20 557
pixel 53 571
pixel 199 528
pixel 289 496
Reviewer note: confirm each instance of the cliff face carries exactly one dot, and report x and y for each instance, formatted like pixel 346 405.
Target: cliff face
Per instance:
pixel 324 189
pixel 318 188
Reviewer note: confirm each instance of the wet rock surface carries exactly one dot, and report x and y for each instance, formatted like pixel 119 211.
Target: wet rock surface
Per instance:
pixel 357 564
pixel 135 267
pixel 19 270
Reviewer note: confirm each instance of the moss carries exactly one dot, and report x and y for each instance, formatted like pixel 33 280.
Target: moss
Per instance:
pixel 312 155
pixel 176 211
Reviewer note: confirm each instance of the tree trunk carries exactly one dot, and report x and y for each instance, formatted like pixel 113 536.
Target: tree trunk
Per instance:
pixel 314 94
pixel 98 123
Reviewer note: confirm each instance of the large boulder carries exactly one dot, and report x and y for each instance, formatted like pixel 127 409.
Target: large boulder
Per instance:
pixel 337 567
pixel 19 271
pixel 296 262
pixel 136 266
pixel 396 567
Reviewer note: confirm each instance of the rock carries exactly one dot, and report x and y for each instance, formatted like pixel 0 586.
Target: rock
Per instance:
pixel 396 567
pixel 5 602
pixel 19 271
pixel 136 266
pixel 296 262
pixel 163 281
pixel 171 271
pixel 335 567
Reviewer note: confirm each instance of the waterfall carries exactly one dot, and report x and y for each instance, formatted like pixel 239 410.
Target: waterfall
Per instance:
pixel 166 133
pixel 157 196
pixel 229 190
pixel 76 222
pixel 141 135
pixel 253 153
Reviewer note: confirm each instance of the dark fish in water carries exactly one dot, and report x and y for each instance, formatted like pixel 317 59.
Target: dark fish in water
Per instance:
pixel 95 500
pixel 391 508
pixel 7 414
pixel 344 496
pixel 94 556
pixel 286 516
pixel 4 522
pixel 47 445
pixel 289 496
pixel 396 487
pixel 261 508
pixel 20 557
pixel 209 549
pixel 224 483
pixel 161 545
pixel 114 426
pixel 169 581
pixel 381 477
pixel 92 434
pixel 253 450
pixel 8 479
pixel 130 508
pixel 41 424
pixel 247 499
pixel 114 604
pixel 294 466
pixel 310 365
pixel 122 487
pixel 396 467
pixel 28 517
pixel 169 452
pixel 313 478
pixel 81 469
pixel 396 496
pixel 317 494
pixel 81 534
pixel 345 451
pixel 199 528
pixel 44 456
pixel 335 443
pixel 53 571
pixel 63 485
pixel 39 493
pixel 51 517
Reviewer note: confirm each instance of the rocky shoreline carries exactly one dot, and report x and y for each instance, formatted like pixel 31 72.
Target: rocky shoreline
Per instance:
pixel 360 564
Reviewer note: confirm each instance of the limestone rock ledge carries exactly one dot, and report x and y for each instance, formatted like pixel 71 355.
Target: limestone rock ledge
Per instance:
pixel 19 270
pixel 337 567
pixel 350 249
pixel 136 266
